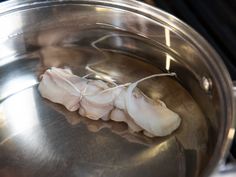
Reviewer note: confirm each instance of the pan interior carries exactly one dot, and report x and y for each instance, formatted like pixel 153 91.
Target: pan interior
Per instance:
pixel 40 138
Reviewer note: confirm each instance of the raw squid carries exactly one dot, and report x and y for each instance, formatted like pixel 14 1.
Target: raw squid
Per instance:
pixel 56 86
pixel 95 104
pixel 95 99
pixel 154 117
pixel 119 115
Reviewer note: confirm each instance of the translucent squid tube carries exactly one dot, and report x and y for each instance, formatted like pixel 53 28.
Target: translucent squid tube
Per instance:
pixel 154 117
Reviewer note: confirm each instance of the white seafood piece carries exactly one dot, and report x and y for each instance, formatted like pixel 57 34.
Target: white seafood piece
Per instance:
pixel 154 117
pixel 56 86
pixel 96 104
pixel 118 115
pixel 96 100
pixel 119 101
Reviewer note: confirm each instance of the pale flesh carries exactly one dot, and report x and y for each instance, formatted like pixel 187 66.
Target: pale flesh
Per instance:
pixel 95 99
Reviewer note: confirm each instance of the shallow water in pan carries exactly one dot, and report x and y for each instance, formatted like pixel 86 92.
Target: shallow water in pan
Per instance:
pixel 40 138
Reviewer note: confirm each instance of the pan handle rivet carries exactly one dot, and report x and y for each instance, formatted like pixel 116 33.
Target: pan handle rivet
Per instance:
pixel 206 84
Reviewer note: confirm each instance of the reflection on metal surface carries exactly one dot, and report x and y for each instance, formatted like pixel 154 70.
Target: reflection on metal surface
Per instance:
pixel 17 84
pixel 167 36
pixel 120 129
pixel 206 84
pixel 5 52
pixel 152 152
pixel 231 133
pixel 23 123
pixel 22 112
pixel 4 61
pixel 100 9
pixel 9 27
pixel 2 117
pixel 168 57
pixel 100 75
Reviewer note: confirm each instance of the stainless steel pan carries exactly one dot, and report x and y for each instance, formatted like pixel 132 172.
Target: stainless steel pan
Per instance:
pixel 123 41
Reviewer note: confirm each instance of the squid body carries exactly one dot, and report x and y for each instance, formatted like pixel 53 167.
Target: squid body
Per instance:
pixel 96 99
